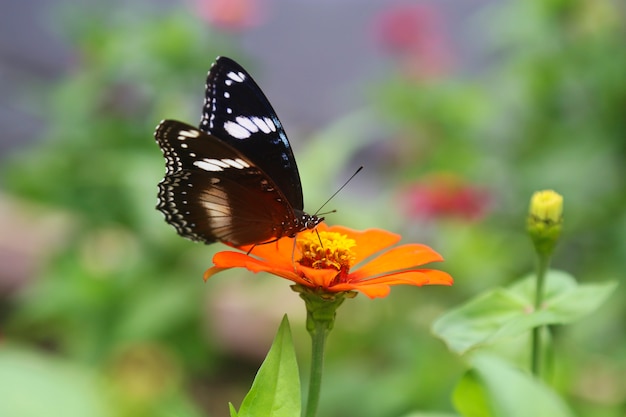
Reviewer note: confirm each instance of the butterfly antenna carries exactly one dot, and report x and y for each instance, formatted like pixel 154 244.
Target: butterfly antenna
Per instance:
pixel 337 192
pixel 327 212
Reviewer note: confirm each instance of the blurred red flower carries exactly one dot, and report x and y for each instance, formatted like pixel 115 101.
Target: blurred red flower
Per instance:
pixel 232 15
pixel 445 196
pixel 415 35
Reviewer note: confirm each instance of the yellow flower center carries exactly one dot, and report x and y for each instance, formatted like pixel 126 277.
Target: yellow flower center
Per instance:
pixel 326 250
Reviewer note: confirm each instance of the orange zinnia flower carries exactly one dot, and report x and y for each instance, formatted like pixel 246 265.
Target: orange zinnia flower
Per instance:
pixel 324 263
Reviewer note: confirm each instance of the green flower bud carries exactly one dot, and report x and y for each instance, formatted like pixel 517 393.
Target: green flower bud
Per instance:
pixel 545 220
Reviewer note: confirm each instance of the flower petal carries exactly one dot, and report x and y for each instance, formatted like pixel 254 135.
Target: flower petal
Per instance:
pixel 418 277
pixel 318 277
pixel 396 259
pixel 368 242
pixel 212 271
pixel 372 291
pixel 230 259
pixel 380 287
pixel 278 253
pixel 227 259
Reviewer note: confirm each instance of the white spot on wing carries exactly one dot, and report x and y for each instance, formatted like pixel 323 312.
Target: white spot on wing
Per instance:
pixel 207 166
pixel 261 124
pixel 236 76
pixel 212 165
pixel 242 162
pixel 219 162
pixel 184 134
pixel 270 124
pixel 247 123
pixel 236 163
pixel 236 130
pixel 217 165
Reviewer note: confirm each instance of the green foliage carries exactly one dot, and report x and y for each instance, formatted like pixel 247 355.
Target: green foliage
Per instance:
pixel 33 385
pixel 504 313
pixel 275 391
pixel 118 277
pixel 493 388
pixel 96 159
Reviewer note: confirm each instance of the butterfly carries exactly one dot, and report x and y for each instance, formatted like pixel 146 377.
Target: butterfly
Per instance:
pixel 234 179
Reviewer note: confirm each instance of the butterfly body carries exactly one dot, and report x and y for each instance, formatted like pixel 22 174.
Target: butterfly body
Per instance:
pixel 234 179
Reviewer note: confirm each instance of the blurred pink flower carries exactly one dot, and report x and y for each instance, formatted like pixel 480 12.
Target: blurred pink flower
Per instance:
pixel 445 196
pixel 415 35
pixel 232 15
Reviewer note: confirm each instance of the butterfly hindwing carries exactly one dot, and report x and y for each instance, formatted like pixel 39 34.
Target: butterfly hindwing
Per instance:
pixel 213 192
pixel 237 111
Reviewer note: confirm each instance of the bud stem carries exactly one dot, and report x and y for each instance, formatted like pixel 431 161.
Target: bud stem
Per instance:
pixel 542 267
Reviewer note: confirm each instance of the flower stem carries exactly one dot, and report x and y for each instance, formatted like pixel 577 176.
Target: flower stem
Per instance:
pixel 542 268
pixel 318 338
pixel 321 309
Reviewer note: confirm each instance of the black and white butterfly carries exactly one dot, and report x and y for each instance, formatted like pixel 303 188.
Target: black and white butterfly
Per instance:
pixel 235 178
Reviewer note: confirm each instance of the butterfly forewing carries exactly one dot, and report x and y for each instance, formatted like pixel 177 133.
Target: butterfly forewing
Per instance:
pixel 211 191
pixel 237 112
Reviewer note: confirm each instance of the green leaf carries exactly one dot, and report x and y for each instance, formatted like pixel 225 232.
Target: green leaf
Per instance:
pixel 478 321
pixel 36 385
pixel 493 388
pixel 565 300
pixel 233 411
pixel 275 391
pixel 508 312
pixel 470 397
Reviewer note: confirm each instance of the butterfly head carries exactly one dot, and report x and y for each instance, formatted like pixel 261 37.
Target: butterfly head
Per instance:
pixel 303 221
pixel 311 221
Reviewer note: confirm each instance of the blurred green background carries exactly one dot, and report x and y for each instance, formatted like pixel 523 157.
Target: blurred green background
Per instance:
pixel 458 111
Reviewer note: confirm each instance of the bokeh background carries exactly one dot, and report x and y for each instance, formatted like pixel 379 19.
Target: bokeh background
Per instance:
pixel 458 110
